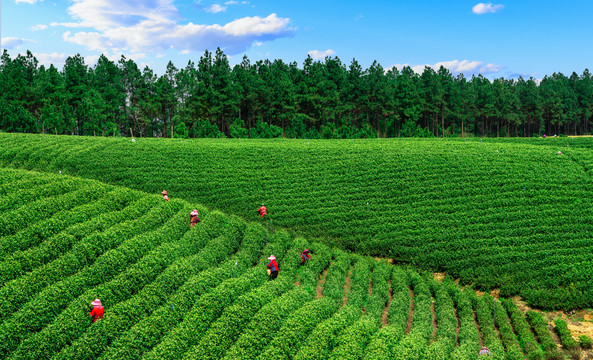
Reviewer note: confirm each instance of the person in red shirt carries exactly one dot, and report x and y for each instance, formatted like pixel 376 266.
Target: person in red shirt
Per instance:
pixel 305 257
pixel 262 211
pixel 273 266
pixel 98 311
pixel 193 218
pixel 165 196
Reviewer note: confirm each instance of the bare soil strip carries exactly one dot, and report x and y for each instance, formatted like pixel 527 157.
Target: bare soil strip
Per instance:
pixel 411 312
pixel 478 327
pixel 433 337
pixel 385 314
pixel 320 284
pixel 552 330
pixel 457 327
pixel 347 287
pixel 364 309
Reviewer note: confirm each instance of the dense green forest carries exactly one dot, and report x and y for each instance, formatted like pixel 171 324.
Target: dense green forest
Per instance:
pixel 321 99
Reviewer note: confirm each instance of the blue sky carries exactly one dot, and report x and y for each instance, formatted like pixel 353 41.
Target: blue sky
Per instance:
pixel 498 39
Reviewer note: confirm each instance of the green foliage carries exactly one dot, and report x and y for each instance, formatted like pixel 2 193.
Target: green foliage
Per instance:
pixel 540 328
pixel 297 328
pixel 204 129
pixel 175 292
pixel 324 337
pixel 322 99
pixel 585 342
pixel 521 328
pixel 484 308
pixel 568 342
pixel 238 129
pixel 263 130
pixel 428 200
pixel 266 323
pixel 181 130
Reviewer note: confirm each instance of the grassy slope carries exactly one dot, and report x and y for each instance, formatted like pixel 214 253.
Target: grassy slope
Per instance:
pixel 511 214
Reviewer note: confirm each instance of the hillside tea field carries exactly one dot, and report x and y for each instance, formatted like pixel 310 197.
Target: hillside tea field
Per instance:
pixel 511 214
pixel 175 292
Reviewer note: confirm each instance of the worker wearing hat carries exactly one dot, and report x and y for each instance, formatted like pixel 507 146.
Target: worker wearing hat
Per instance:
pixel 305 257
pixel 165 196
pixel 273 267
pixel 193 218
pixel 98 311
pixel 484 351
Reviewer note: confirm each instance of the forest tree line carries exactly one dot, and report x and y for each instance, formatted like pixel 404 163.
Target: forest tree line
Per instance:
pixel 326 99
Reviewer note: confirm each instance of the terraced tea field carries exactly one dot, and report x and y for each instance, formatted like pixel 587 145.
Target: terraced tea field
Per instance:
pixel 175 292
pixel 510 214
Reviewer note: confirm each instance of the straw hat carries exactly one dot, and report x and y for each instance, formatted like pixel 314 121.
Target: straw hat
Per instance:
pixel 194 213
pixel 164 192
pixel 272 257
pixel 97 302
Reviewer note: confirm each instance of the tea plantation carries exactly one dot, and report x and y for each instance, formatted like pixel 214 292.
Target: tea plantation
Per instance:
pixel 508 214
pixel 175 292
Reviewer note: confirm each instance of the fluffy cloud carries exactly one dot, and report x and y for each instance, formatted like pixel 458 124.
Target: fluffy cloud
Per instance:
pixel 152 26
pixel 317 55
pixel 38 27
pixel 215 8
pixel 482 8
pixel 12 42
pixel 465 67
pixel 57 59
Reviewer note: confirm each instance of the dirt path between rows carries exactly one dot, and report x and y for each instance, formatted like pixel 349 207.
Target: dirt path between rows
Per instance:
pixel 478 327
pixel 457 327
pixel 579 323
pixel 411 312
pixel 385 314
pixel 347 286
pixel 319 292
pixel 433 336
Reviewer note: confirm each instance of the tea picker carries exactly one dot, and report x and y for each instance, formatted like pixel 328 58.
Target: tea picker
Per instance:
pixel 193 218
pixel 305 257
pixel 98 310
pixel 484 351
pixel 165 196
pixel 272 267
pixel 262 211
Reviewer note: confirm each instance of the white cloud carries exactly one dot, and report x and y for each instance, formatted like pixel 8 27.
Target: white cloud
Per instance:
pixel 482 8
pixel 38 27
pixel 215 8
pixel 152 26
pixel 68 24
pixel 57 59
pixel 491 68
pixel 456 67
pixel 317 55
pixel 12 42
pixel 26 1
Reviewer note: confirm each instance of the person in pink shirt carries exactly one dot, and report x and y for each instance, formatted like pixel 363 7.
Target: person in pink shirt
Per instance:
pixel 165 196
pixel 262 211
